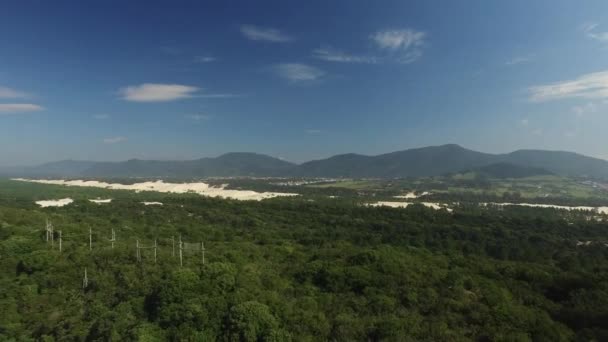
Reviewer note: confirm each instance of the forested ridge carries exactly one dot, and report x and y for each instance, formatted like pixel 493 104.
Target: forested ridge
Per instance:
pixel 416 162
pixel 292 269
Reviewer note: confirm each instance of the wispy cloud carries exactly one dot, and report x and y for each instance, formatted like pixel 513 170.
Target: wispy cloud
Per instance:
pixel 581 110
pixel 16 108
pixel 205 59
pixel 405 45
pixel 265 34
pixel 313 131
pixel 333 55
pixel 152 92
pixel 538 131
pixel 295 72
pixel 199 117
pixel 8 93
pixel 589 86
pixel 101 116
pixel 524 122
pixel 219 96
pixel 590 30
pixel 114 140
pixel 518 60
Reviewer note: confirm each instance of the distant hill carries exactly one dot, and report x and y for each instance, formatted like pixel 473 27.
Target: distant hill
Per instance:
pixel 508 170
pixel 426 161
pixel 227 165
pixel 559 162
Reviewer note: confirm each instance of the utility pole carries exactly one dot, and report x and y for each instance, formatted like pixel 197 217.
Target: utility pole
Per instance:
pixel 173 244
pixel 50 233
pixel 90 239
pixel 155 251
pixel 181 263
pixel 113 238
pixel 48 229
pixel 60 241
pixel 137 247
pixel 85 280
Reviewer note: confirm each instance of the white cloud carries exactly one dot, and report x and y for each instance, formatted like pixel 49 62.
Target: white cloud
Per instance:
pixel 151 92
pixel 405 45
pixel 15 108
pixel 538 131
pixel 205 59
pixel 584 109
pixel 114 140
pixel 589 86
pixel 518 60
pixel 591 32
pixel 333 55
pixel 398 39
pixel 295 72
pixel 101 116
pixel 313 131
pixel 570 134
pixel 8 93
pixel 525 122
pixel 265 34
pixel 218 96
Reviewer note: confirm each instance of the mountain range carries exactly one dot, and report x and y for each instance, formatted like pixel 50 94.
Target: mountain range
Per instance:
pixel 418 162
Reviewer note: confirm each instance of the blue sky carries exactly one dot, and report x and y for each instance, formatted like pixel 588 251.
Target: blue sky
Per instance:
pixel 299 80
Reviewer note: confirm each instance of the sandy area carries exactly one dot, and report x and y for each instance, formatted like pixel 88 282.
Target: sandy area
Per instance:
pixel 101 201
pixel 55 203
pixel 601 210
pixel 436 206
pixel 152 203
pixel 160 186
pixel 412 195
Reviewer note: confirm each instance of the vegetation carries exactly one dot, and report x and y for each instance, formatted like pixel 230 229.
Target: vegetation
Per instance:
pixel 290 269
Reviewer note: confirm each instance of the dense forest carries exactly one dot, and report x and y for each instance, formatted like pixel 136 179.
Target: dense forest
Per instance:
pixel 297 269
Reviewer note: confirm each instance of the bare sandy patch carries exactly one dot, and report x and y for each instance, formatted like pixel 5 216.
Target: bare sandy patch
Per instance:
pixel 101 201
pixel 435 206
pixel 200 188
pixel 151 203
pixel 600 210
pixel 55 203
pixel 412 195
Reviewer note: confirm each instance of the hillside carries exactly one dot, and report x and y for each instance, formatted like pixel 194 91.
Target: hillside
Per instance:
pixel 227 165
pixel 419 162
pixel 507 170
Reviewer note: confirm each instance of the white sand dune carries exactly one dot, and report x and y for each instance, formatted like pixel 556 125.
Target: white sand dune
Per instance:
pixel 55 203
pixel 101 201
pixel 160 186
pixel 151 203
pixel 412 195
pixel 600 210
pixel 435 206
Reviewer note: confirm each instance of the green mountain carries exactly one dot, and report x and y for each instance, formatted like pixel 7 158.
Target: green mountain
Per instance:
pixel 508 170
pixel 559 162
pixel 426 161
pixel 227 165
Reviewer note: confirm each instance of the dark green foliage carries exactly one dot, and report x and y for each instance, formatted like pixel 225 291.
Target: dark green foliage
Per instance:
pixel 506 170
pixel 289 269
